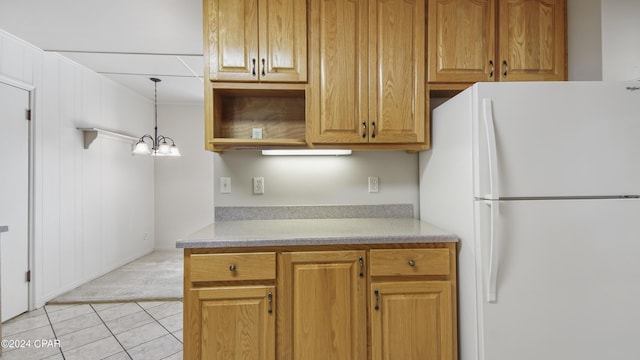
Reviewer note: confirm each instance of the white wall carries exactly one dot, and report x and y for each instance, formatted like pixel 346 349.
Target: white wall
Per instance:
pixel 87 219
pixel 620 39
pixel 184 185
pixel 584 32
pixel 319 180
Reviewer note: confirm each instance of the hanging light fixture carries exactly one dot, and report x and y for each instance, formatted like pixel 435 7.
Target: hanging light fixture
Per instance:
pixel 159 144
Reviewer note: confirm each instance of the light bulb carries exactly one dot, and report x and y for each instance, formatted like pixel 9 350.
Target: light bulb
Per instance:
pixel 141 148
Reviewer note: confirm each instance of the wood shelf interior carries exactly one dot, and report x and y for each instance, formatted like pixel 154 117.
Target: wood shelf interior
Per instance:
pixel 279 113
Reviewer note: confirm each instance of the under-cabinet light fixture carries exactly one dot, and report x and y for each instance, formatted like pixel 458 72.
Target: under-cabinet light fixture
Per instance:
pixel 306 152
pixel 159 144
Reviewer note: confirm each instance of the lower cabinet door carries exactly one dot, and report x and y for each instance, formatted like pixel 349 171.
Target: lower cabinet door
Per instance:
pixel 234 323
pixel 412 320
pixel 323 305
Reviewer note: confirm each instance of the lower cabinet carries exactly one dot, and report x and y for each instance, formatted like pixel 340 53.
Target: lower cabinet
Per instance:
pixel 411 320
pixel 349 302
pixel 323 305
pixel 235 322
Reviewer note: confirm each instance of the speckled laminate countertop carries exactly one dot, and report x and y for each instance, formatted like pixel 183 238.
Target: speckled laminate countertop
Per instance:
pixel 297 232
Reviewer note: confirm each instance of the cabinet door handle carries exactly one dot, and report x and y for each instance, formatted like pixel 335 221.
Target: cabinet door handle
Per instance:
pixel 364 129
pixel 361 261
pixel 492 69
pixel 270 302
pixel 376 293
pixel 253 67
pixel 373 129
pixel 232 268
pixel 264 62
pixel 506 68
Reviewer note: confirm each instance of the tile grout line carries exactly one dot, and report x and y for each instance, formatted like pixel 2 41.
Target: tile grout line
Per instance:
pixel 111 332
pixel 159 323
pixel 54 331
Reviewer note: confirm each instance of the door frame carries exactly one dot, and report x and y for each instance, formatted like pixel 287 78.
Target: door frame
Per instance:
pixel 31 231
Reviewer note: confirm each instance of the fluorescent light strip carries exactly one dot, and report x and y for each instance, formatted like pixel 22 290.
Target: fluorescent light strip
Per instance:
pixel 306 152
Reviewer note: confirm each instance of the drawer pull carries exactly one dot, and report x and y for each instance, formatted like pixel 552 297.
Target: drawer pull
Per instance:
pixel 412 263
pixel 376 293
pixel 232 267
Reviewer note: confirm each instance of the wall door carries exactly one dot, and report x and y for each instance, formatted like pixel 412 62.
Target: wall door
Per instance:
pixel 14 199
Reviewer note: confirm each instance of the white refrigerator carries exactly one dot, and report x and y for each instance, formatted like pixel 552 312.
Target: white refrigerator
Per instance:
pixel 541 181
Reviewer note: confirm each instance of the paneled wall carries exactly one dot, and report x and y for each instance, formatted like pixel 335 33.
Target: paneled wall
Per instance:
pixel 93 208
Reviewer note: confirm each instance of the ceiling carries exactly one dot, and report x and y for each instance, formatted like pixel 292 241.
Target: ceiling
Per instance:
pixel 125 40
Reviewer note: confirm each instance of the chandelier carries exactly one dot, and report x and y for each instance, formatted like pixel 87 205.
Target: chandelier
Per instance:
pixel 159 144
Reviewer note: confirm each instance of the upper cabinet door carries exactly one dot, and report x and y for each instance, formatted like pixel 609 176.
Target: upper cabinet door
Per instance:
pixel 233 40
pixel 532 40
pixel 256 40
pixel 339 73
pixel 462 40
pixel 397 95
pixel 283 40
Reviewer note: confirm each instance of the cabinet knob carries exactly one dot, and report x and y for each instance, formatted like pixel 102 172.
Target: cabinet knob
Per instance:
pixel 412 263
pixel 232 267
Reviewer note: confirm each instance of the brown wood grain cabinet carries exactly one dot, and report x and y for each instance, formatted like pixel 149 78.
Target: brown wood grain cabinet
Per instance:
pixel 256 62
pixel 496 40
pixel 256 40
pixel 323 305
pixel 411 294
pixel 367 72
pixel 366 301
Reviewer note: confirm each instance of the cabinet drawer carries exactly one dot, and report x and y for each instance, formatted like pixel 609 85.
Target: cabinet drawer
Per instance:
pixel 410 262
pixel 230 267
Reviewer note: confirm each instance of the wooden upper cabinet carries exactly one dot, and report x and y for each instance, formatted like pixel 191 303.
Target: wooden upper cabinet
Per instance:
pixel 367 71
pixel 532 37
pixel 496 40
pixel 256 40
pixel 461 40
pixel 397 60
pixel 338 71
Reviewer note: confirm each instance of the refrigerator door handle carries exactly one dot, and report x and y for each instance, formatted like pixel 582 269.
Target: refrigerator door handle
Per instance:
pixel 494 242
pixel 490 133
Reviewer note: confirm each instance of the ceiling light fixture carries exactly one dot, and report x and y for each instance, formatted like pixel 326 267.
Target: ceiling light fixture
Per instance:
pixel 159 145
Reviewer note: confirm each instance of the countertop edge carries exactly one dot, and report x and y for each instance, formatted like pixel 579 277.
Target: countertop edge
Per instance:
pixel 293 233
pixel 217 244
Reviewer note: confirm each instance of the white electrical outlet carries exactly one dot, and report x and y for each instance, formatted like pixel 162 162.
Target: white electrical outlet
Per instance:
pixel 258 185
pixel 256 133
pixel 373 184
pixel 225 185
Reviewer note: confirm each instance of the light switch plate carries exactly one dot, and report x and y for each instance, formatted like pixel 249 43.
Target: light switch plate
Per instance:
pixel 225 185
pixel 373 184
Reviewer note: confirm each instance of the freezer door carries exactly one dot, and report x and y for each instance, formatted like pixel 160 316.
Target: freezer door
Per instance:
pixel 567 279
pixel 556 139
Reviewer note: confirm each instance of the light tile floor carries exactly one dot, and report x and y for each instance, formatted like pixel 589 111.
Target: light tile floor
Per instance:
pixel 131 330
